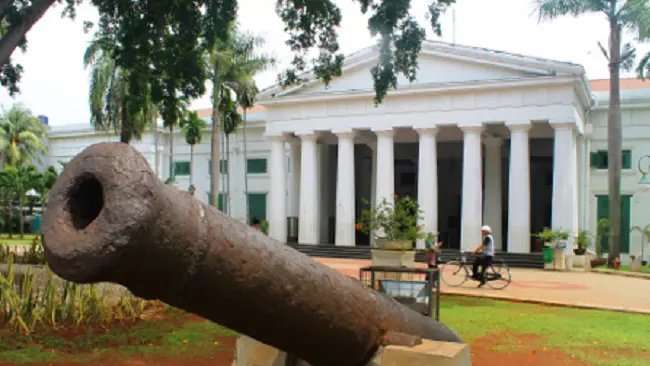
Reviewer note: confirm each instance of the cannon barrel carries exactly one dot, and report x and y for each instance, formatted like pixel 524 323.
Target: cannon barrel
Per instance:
pixel 109 218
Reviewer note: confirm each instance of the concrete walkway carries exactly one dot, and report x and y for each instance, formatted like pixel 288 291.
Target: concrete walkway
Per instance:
pixel 576 289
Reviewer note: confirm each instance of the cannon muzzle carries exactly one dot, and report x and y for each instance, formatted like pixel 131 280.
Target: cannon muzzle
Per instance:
pixel 109 218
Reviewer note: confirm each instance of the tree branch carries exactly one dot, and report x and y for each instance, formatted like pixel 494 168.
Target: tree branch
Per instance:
pixel 17 32
pixel 603 50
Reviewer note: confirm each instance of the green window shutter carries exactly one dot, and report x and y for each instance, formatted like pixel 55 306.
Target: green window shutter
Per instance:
pixel 594 159
pixel 625 223
pixel 627 159
pixel 603 213
pixel 604 158
pixel 182 168
pixel 256 166
pixel 257 206
pixel 220 204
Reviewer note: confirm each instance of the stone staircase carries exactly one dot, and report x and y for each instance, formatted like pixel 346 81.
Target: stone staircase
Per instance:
pixel 514 260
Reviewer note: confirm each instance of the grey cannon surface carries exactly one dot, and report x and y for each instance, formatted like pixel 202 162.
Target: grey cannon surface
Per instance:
pixel 109 218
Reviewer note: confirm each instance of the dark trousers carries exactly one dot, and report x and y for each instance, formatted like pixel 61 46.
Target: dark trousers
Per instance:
pixel 484 261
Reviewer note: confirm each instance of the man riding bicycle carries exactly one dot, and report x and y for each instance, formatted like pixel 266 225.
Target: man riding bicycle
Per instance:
pixel 485 255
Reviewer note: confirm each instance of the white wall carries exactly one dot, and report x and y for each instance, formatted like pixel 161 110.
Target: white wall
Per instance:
pixel 66 142
pixel 636 137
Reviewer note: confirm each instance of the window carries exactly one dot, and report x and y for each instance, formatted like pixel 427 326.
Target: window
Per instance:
pixel 182 168
pixel 599 159
pixel 222 167
pixel 256 166
pixel 222 204
pixel 603 213
pixel 257 206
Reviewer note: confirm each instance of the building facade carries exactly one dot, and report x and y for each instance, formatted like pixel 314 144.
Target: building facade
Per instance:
pixel 482 137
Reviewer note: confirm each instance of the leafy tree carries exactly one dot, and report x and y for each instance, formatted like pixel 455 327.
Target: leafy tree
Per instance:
pixel 633 15
pixel 192 129
pixel 48 178
pixel 20 180
pixel 231 122
pixel 21 136
pixel 111 101
pixel 162 41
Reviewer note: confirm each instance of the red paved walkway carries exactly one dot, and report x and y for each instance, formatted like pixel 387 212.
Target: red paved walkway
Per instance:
pixel 592 290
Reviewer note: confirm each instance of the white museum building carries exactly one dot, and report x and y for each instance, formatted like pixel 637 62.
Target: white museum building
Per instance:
pixel 482 137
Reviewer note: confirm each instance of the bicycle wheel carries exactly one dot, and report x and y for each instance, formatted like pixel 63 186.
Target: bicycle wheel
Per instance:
pixel 454 274
pixel 498 276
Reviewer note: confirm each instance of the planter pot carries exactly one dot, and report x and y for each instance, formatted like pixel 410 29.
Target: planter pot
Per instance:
pixel 393 258
pixel 394 244
pixel 579 261
pixel 598 262
pixel 559 257
pixel 580 251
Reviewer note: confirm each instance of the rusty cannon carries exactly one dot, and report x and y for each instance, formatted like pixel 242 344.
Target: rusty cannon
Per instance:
pixel 110 219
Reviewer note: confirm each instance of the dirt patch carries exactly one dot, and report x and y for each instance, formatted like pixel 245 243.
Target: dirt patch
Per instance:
pixel 519 349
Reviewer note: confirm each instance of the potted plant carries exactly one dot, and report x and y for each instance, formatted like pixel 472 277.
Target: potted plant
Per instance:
pixel 645 238
pixel 602 246
pixel 395 228
pixel 547 236
pixel 583 241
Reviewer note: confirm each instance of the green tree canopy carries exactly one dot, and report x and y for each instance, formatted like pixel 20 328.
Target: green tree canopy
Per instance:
pixel 21 136
pixel 192 128
pixel 162 41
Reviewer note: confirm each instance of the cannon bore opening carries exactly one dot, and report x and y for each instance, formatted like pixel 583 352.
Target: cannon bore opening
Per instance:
pixel 85 201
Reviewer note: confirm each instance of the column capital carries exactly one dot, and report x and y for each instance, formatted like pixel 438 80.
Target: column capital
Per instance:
pixel 425 131
pixel 276 137
pixel 344 133
pixel 308 136
pixel 472 128
pixel 563 125
pixel 493 141
pixel 384 132
pixel 519 126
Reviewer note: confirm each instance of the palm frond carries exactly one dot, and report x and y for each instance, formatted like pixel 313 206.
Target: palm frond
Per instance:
pixel 551 9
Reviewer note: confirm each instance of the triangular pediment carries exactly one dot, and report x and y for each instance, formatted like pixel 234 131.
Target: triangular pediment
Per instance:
pixel 439 64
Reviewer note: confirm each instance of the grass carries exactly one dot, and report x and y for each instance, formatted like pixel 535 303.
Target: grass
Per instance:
pixel 627 268
pixel 27 240
pixel 177 334
pixel 597 337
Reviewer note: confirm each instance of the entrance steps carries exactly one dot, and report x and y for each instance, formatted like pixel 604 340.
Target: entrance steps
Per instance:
pixel 514 260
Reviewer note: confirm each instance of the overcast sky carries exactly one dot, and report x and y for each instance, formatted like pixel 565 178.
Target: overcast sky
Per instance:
pixel 55 83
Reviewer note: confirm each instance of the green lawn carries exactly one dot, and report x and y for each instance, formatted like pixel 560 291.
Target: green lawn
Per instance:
pixel 597 337
pixel 27 240
pixel 626 268
pixel 179 335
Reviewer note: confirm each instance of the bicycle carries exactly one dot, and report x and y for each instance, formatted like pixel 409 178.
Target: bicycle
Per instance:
pixel 498 275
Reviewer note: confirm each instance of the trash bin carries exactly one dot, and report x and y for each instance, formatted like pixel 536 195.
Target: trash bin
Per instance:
pixel 36 224
pixel 547 254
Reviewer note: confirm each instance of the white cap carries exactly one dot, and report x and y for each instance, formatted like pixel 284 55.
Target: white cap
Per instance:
pixel 486 229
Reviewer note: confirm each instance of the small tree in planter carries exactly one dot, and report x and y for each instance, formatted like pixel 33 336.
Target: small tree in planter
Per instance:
pixel 583 241
pixel 394 225
pixel 548 236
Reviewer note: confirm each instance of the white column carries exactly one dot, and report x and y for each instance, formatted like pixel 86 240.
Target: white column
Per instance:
pixel 472 201
pixel 492 211
pixel 519 190
pixel 385 167
pixel 294 184
pixel 565 182
pixel 373 184
pixel 345 234
pixel 278 190
pixel 428 181
pixel 308 225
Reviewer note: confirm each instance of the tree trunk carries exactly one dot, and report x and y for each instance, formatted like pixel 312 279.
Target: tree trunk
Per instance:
pixel 248 214
pixel 215 147
pixel 17 32
pixel 224 202
pixel 191 164
pixel 125 134
pixel 229 204
pixel 21 218
pixel 614 142
pixel 171 153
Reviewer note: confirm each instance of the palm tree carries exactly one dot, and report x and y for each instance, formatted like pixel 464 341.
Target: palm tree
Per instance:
pixel 170 124
pixel 229 64
pixel 21 180
pixel 633 15
pixel 112 103
pixel 246 100
pixel 21 137
pixel 231 121
pixel 192 129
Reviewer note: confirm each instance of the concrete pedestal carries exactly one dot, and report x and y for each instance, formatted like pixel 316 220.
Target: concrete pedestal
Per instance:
pixel 393 258
pixel 250 352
